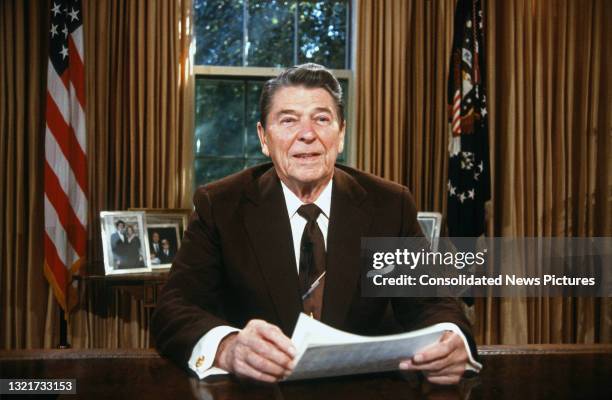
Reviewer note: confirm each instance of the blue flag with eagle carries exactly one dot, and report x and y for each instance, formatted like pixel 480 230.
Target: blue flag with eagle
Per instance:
pixel 468 146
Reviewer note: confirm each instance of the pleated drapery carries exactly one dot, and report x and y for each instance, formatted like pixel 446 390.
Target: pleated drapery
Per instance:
pixel 550 109
pixel 139 89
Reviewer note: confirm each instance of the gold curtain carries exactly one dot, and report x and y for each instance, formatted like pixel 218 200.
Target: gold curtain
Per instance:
pixel 139 92
pixel 402 52
pixel 550 93
pixel 550 109
pixel 23 67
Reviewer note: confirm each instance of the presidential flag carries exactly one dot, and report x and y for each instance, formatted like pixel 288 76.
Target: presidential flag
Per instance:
pixel 468 168
pixel 65 172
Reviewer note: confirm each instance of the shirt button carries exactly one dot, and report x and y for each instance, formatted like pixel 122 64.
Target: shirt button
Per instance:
pixel 199 362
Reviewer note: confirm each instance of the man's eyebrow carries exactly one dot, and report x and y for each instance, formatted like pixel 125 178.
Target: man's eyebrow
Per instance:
pixel 287 111
pixel 294 112
pixel 325 109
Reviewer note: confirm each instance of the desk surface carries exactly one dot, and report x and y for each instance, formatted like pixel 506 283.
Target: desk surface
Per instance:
pixel 510 372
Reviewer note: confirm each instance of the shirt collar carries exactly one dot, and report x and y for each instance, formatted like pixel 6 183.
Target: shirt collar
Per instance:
pixel 293 202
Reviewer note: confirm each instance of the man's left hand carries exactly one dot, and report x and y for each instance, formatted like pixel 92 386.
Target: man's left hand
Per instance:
pixel 442 363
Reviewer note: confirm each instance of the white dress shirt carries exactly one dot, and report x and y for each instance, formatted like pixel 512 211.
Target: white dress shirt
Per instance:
pixel 298 223
pixel 205 350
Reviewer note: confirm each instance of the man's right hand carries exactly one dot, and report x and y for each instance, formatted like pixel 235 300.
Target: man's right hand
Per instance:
pixel 260 351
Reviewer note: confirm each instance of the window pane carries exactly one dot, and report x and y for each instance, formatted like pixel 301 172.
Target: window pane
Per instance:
pixel 219 124
pixel 209 170
pixel 218 32
pixel 271 33
pixel 323 33
pixel 253 149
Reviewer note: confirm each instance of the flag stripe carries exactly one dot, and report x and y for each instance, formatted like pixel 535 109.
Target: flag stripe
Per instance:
pixel 57 234
pixel 66 105
pixel 55 263
pixel 58 91
pixel 64 174
pixel 78 120
pixel 77 234
pixel 67 143
pixel 77 37
pixel 77 70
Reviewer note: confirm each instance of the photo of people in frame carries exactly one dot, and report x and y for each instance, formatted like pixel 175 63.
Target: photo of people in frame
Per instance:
pixel 124 242
pixel 164 241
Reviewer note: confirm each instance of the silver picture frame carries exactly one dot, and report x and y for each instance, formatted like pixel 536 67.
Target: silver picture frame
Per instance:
pixel 124 242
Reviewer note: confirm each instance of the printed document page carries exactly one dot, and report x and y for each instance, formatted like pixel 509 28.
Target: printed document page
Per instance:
pixel 324 351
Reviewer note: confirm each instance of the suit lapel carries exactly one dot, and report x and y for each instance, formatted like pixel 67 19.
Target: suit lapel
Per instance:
pixel 267 224
pixel 348 223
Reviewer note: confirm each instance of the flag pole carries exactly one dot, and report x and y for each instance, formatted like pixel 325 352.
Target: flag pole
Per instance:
pixel 63 344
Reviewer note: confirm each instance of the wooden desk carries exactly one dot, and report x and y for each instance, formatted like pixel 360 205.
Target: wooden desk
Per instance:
pixel 143 287
pixel 510 372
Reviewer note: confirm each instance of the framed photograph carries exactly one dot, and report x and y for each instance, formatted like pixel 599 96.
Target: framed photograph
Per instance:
pixel 431 223
pixel 164 242
pixel 165 229
pixel 124 241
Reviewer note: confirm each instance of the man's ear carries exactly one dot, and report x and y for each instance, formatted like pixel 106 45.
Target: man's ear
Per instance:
pixel 341 138
pixel 262 139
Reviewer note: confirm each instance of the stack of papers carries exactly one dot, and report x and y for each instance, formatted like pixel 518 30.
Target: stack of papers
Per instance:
pixel 323 351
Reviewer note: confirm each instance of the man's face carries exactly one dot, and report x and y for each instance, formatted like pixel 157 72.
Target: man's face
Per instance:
pixel 155 237
pixel 303 135
pixel 121 227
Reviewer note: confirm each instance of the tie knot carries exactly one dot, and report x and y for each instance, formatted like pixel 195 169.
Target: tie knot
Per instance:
pixel 310 212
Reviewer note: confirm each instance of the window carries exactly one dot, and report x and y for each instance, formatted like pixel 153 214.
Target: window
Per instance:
pixel 239 45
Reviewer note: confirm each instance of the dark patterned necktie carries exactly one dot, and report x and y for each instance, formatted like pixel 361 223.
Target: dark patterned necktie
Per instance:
pixel 312 262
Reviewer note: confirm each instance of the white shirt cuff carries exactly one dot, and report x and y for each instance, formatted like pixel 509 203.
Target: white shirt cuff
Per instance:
pixel 472 364
pixel 205 350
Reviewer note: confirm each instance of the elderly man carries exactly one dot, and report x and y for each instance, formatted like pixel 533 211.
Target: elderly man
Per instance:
pixel 272 241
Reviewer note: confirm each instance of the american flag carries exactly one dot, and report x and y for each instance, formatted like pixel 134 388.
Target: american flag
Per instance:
pixel 65 174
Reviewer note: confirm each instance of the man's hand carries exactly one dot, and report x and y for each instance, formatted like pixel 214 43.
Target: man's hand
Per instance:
pixel 442 363
pixel 260 351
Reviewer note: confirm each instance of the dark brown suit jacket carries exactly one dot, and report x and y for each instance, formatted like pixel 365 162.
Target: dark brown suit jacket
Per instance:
pixel 237 261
